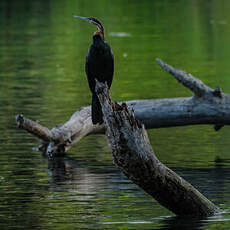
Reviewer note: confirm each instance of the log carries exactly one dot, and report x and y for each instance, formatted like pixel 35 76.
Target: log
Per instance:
pixel 60 138
pixel 133 154
pixel 207 106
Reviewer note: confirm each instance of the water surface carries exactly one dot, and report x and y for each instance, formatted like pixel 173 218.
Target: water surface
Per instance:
pixel 42 50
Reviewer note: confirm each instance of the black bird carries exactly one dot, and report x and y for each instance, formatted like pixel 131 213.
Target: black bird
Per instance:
pixel 99 65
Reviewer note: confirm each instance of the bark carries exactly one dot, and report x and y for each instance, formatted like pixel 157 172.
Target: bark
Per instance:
pixel 133 154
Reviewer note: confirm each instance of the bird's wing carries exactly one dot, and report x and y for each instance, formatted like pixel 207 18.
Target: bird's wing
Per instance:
pixel 109 65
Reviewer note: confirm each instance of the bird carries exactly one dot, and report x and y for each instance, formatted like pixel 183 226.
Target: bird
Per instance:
pixel 99 65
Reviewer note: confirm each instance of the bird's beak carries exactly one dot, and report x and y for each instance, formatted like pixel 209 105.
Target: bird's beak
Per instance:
pixel 88 19
pixel 84 18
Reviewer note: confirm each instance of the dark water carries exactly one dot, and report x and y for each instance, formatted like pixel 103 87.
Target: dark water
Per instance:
pixel 42 55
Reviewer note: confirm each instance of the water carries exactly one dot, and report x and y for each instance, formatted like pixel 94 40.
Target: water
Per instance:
pixel 42 50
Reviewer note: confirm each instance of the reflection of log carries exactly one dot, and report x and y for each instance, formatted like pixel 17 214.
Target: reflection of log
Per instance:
pixel 66 170
pixel 133 154
pixel 207 106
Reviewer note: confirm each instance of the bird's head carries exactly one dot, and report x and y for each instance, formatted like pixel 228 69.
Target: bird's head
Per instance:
pixel 95 22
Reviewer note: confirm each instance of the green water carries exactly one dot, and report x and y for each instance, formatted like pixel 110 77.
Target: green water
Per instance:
pixel 42 56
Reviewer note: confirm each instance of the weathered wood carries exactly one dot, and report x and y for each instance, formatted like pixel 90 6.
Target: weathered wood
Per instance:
pixel 207 106
pixel 77 127
pixel 33 127
pixel 129 142
pixel 190 82
pixel 133 154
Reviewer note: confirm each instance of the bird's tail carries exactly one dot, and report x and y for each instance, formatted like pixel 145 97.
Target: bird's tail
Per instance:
pixel 97 116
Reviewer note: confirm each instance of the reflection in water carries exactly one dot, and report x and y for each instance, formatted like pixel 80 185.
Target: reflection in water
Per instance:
pixel 119 34
pixel 183 223
pixel 67 171
pixel 42 51
pixel 86 183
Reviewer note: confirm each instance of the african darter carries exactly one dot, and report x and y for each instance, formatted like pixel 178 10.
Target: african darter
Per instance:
pixel 99 65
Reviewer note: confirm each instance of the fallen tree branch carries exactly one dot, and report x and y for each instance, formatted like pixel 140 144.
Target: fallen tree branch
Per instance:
pixel 207 106
pixel 61 137
pixel 129 142
pixel 133 154
pixel 190 82
pixel 33 128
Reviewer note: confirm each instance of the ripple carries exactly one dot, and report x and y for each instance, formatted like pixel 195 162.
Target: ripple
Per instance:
pixel 119 34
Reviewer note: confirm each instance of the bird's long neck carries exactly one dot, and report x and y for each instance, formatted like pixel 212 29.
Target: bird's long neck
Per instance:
pixel 98 42
pixel 100 32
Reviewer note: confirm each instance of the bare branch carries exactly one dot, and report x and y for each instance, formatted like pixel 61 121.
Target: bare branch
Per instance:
pixel 34 128
pixel 192 83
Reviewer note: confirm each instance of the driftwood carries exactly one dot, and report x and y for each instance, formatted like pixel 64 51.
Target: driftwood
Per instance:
pixel 129 142
pixel 207 106
pixel 133 154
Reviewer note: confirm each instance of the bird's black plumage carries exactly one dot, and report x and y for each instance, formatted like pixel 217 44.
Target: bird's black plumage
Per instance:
pixel 99 65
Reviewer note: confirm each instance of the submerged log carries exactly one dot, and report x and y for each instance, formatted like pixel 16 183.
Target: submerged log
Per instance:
pixel 133 154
